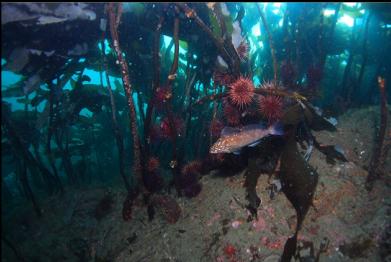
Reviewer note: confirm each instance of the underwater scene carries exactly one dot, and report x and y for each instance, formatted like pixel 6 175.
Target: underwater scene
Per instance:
pixel 210 131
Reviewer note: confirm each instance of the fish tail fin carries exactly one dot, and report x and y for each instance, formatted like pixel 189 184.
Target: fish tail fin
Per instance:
pixel 277 129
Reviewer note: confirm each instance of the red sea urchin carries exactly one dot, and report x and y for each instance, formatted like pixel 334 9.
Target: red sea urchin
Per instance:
pixel 229 251
pixel 167 132
pixel 189 179
pixel 271 107
pixel 242 50
pixel 241 91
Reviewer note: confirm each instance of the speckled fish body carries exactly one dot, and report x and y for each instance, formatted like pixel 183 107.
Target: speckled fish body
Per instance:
pixel 232 140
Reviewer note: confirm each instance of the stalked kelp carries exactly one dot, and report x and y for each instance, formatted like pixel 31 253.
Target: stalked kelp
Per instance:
pixel 376 166
pixel 113 102
pixel 114 13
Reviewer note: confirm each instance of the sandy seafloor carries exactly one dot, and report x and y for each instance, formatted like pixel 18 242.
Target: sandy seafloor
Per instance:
pixel 352 219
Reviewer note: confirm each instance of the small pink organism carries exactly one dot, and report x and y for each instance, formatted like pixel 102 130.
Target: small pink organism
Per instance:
pixel 215 217
pixel 259 224
pixel 270 211
pixel 273 244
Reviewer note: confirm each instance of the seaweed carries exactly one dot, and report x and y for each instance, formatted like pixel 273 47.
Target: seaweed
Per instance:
pixel 117 132
pixel 114 12
pixel 298 178
pixel 271 44
pixel 375 167
pixel 161 85
pixel 263 160
pixel 27 160
pixel 298 181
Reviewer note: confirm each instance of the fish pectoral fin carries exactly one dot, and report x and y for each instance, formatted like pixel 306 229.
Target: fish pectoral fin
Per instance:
pixel 237 152
pixel 255 143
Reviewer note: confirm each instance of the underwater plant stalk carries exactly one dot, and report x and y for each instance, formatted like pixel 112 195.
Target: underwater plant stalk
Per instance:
pixel 114 22
pixel 298 40
pixel 174 67
pixel 271 43
pixel 229 47
pixel 214 113
pixel 320 43
pixel 386 149
pixel 331 36
pixel 347 85
pixel 64 152
pixel 27 189
pixel 375 167
pixel 190 78
pixel 7 195
pixel 117 132
pixel 34 163
pixel 155 85
pixel 27 159
pixel 219 42
pixel 364 51
pixel 65 157
pixel 46 175
pixel 140 100
pixel 49 138
pixel 189 84
pixel 13 248
pixel 171 77
pixel 168 51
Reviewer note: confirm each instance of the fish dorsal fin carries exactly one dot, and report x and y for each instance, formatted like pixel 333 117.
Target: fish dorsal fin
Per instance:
pixel 229 131
pixel 254 127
